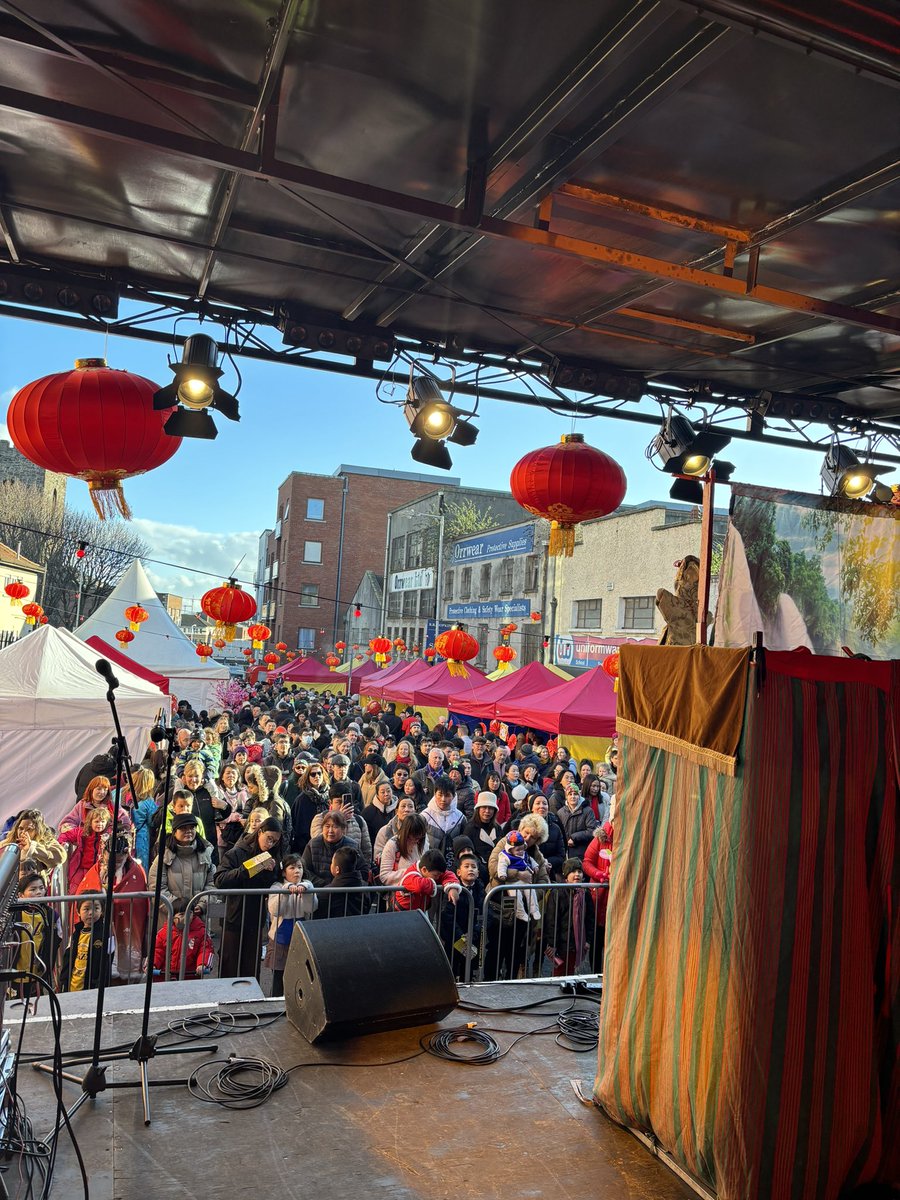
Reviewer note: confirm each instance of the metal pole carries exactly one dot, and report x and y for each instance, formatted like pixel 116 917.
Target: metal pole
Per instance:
pixel 438 574
pixel 340 567
pixel 80 589
pixel 706 547
pixel 387 564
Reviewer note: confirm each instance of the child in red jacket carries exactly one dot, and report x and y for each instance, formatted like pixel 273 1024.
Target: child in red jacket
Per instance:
pixel 422 881
pixel 199 946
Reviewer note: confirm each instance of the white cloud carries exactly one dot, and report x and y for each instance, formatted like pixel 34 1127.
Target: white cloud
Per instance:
pixel 192 551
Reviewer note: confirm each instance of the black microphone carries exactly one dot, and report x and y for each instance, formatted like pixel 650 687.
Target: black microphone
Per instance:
pixel 102 667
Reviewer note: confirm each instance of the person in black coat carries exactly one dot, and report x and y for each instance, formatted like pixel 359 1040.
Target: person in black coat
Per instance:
pixel 320 850
pixel 245 915
pixel 345 873
pixel 100 764
pixel 311 799
pixel 483 832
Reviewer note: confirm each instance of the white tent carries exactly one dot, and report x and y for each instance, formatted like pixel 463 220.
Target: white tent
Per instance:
pixel 160 644
pixel 54 717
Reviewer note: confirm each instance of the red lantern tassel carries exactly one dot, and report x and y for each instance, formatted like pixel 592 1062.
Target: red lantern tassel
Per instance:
pixel 108 498
pixel 562 539
pixel 457 668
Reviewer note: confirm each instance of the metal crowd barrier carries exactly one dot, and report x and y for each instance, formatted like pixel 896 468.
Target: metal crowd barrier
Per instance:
pixel 128 954
pixel 520 940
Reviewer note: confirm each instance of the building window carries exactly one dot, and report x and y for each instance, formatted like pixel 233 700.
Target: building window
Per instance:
pixel 395 600
pixel 532 573
pixel 506 577
pixel 638 612
pixel 306 639
pixel 448 585
pixel 415 543
pixel 484 581
pixel 309 595
pixel 587 614
pixel 426 602
pixel 398 552
pixel 312 552
pixel 483 637
pixel 410 604
pixel 465 583
pixel 315 510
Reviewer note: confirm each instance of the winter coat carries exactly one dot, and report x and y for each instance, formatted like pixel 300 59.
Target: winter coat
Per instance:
pixel 98 963
pixel 419 890
pixel 317 859
pixel 84 852
pixel 351 904
pixel 369 787
pixel 232 874
pixel 187 872
pixel 483 842
pixel 276 807
pixel 559 929
pixel 74 818
pixel 357 832
pixel 208 813
pixel 597 863
pixel 578 825
pixel 303 810
pixel 142 816
pixel 554 849
pixel 393 864
pixel 443 827
pixel 375 818
pixel 384 835
pixel 283 905
pixel 508 901
pixel 100 764
pixel 199 950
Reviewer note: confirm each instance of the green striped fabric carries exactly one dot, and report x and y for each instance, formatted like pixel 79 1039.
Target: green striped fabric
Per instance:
pixel 750 1010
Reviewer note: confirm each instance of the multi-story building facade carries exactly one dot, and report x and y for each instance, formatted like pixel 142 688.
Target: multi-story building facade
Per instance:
pixel 330 530
pixel 607 589
pixel 415 568
pixel 16 569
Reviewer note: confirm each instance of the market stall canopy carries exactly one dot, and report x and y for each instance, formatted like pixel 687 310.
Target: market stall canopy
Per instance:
pixel 122 660
pixel 160 644
pixel 605 195
pixel 384 684
pixel 432 691
pixel 54 717
pixel 307 672
pixel 488 700
pixel 584 707
pixel 557 671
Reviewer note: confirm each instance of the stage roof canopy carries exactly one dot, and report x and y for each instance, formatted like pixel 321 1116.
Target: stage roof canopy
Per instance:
pixel 610 198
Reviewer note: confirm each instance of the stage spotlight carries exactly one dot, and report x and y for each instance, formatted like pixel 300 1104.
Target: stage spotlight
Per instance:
pixel 684 450
pixel 430 416
pixel 844 475
pixel 881 493
pixel 196 388
pixel 690 491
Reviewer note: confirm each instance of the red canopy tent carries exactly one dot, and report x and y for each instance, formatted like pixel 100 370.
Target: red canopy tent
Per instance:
pixel 123 660
pixel 585 706
pixel 433 690
pixel 306 672
pixel 487 700
pixel 364 671
pixel 382 686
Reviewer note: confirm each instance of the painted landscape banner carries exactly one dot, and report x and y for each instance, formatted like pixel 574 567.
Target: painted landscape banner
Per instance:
pixel 810 571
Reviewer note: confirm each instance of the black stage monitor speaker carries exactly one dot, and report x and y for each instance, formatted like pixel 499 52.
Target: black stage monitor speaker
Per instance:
pixel 349 976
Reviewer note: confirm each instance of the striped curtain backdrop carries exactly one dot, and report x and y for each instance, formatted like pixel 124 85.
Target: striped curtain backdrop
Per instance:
pixel 750 1016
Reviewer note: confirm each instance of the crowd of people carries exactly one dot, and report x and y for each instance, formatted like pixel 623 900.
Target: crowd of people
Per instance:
pixel 301 806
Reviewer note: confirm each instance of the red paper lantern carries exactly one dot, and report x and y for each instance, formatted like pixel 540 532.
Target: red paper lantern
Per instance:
pixel 203 650
pixel 229 606
pixel 430 652
pixel 340 647
pixel 31 612
pixel 504 656
pixel 291 655
pixel 123 637
pixel 135 616
pixel 332 661
pixel 565 484
pixel 357 612
pixel 17 591
pixel 458 647
pixel 611 667
pixel 95 424
pixel 43 619
pixel 535 616
pixel 258 634
pixel 281 647
pixel 271 660
pixel 247 652
pixel 220 643
pixel 381 648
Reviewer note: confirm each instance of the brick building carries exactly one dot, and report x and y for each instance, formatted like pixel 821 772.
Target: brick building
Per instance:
pixel 329 531
pixel 16 468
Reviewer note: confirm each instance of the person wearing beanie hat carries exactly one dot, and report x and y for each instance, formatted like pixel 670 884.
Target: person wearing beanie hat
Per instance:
pixel 253 862
pixel 187 860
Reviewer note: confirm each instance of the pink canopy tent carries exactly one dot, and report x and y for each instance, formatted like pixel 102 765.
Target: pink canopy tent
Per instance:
pixel 308 671
pixel 382 686
pixel 433 690
pixel 364 671
pixel 122 660
pixel 583 707
pixel 491 698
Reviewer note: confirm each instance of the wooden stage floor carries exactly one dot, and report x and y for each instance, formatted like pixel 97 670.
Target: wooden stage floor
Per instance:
pixel 419 1130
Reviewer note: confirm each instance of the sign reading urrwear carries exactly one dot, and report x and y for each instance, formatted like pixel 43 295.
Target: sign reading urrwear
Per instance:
pixel 500 544
pixel 412 581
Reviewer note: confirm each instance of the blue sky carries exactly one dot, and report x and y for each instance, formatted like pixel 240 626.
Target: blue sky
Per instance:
pixel 206 506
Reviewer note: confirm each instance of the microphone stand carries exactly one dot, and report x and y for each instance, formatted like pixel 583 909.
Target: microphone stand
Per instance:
pixel 145 1047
